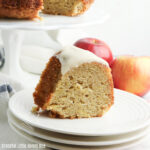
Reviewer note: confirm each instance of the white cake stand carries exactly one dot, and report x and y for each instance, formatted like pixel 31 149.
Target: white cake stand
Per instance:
pixel 12 35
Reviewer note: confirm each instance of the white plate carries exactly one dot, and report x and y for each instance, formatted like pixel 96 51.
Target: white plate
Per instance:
pixel 76 140
pixel 95 15
pixel 128 114
pixel 73 147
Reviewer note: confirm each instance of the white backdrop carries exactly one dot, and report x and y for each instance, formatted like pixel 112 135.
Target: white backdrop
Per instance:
pixel 127 31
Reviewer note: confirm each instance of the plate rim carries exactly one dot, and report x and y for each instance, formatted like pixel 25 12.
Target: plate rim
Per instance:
pixel 75 133
pixel 53 27
pixel 58 145
pixel 31 132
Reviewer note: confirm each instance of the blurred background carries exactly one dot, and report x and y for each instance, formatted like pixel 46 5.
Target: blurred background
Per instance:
pixel 127 31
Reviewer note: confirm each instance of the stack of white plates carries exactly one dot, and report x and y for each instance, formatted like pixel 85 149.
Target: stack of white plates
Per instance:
pixel 126 124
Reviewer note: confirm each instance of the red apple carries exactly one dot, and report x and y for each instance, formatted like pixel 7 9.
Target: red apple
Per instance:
pixel 96 46
pixel 132 74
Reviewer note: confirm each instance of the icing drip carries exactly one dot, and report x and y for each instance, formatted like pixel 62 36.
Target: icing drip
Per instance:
pixel 72 56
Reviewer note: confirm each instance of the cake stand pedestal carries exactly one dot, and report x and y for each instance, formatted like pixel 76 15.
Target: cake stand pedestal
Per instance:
pixel 12 42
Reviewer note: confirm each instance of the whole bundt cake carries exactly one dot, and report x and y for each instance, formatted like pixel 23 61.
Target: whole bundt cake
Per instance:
pixel 75 84
pixel 66 7
pixel 20 9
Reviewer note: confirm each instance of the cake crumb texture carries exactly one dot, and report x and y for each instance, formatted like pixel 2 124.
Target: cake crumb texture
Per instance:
pixel 66 7
pixel 83 92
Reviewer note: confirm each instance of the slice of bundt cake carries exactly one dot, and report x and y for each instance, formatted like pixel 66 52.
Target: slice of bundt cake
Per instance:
pixel 75 84
pixel 20 9
pixel 66 7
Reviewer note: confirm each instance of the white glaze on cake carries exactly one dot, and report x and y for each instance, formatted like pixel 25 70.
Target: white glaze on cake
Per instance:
pixel 72 56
